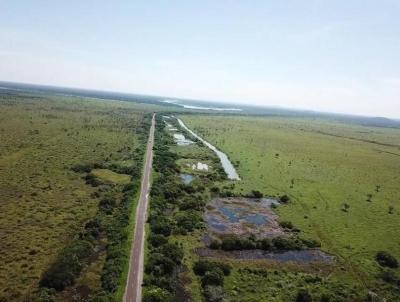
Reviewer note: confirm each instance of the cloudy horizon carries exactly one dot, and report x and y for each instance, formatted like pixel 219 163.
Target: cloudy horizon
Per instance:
pixel 329 56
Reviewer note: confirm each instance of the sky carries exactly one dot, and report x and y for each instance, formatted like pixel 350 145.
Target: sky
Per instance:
pixel 335 56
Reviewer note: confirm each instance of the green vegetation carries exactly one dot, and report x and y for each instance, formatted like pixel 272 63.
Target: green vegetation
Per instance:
pixel 69 170
pixel 338 183
pixel 106 175
pixel 70 173
pixel 176 218
pixel 257 283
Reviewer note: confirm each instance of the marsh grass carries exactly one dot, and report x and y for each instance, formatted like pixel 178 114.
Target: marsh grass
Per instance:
pixel 321 165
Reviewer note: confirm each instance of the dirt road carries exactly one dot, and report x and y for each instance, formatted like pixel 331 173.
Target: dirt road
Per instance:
pixel 133 289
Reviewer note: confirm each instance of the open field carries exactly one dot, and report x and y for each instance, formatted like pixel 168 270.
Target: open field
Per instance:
pixel 343 181
pixel 69 176
pixel 44 204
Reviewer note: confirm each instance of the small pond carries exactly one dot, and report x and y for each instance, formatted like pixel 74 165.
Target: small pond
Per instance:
pixel 187 178
pixel 236 214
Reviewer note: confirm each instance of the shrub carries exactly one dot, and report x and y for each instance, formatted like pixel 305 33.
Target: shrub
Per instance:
pixel 257 194
pixel 161 225
pixel 213 277
pixel 303 296
pixel 215 245
pixel 172 251
pixel 157 239
pixel 156 294
pixel 311 243
pixel 284 199
pixel 386 259
pixel 159 265
pixel 286 244
pixel 189 189
pixel 345 207
pixel 231 243
pixel 92 180
pixel 326 298
pixel 110 275
pixel 226 193
pixel 107 204
pixel 215 190
pixel 191 204
pixel 265 244
pixel 286 224
pixel 214 293
pixel 82 168
pixel 67 266
pixel 202 266
pixel 389 277
pixel 93 228
pixel 188 220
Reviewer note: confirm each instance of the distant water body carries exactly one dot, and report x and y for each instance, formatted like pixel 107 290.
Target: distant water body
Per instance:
pixel 226 163
pixel 200 107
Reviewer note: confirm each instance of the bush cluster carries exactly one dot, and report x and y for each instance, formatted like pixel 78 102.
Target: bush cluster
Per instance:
pixel 174 208
pixel 117 235
pixel 386 259
pixel 68 265
pixel 212 275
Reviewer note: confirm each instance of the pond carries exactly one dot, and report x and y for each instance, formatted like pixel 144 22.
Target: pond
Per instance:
pixel 187 178
pixel 242 216
pixel 236 214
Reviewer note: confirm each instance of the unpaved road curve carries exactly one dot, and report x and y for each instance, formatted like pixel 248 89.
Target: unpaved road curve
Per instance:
pixel 133 288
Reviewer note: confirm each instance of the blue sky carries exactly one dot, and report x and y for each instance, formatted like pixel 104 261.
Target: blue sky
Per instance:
pixel 339 56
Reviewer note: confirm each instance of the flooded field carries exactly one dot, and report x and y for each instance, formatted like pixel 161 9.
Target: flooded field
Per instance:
pixel 242 216
pixel 249 216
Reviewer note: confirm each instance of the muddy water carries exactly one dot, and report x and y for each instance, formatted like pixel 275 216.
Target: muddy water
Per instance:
pixel 304 256
pixel 242 216
pixel 226 163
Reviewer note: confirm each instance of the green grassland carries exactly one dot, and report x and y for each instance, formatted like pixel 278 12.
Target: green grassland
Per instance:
pixel 109 176
pixel 43 203
pixel 321 165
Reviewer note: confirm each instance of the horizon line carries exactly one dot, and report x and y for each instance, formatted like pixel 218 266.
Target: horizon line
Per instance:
pixel 397 119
